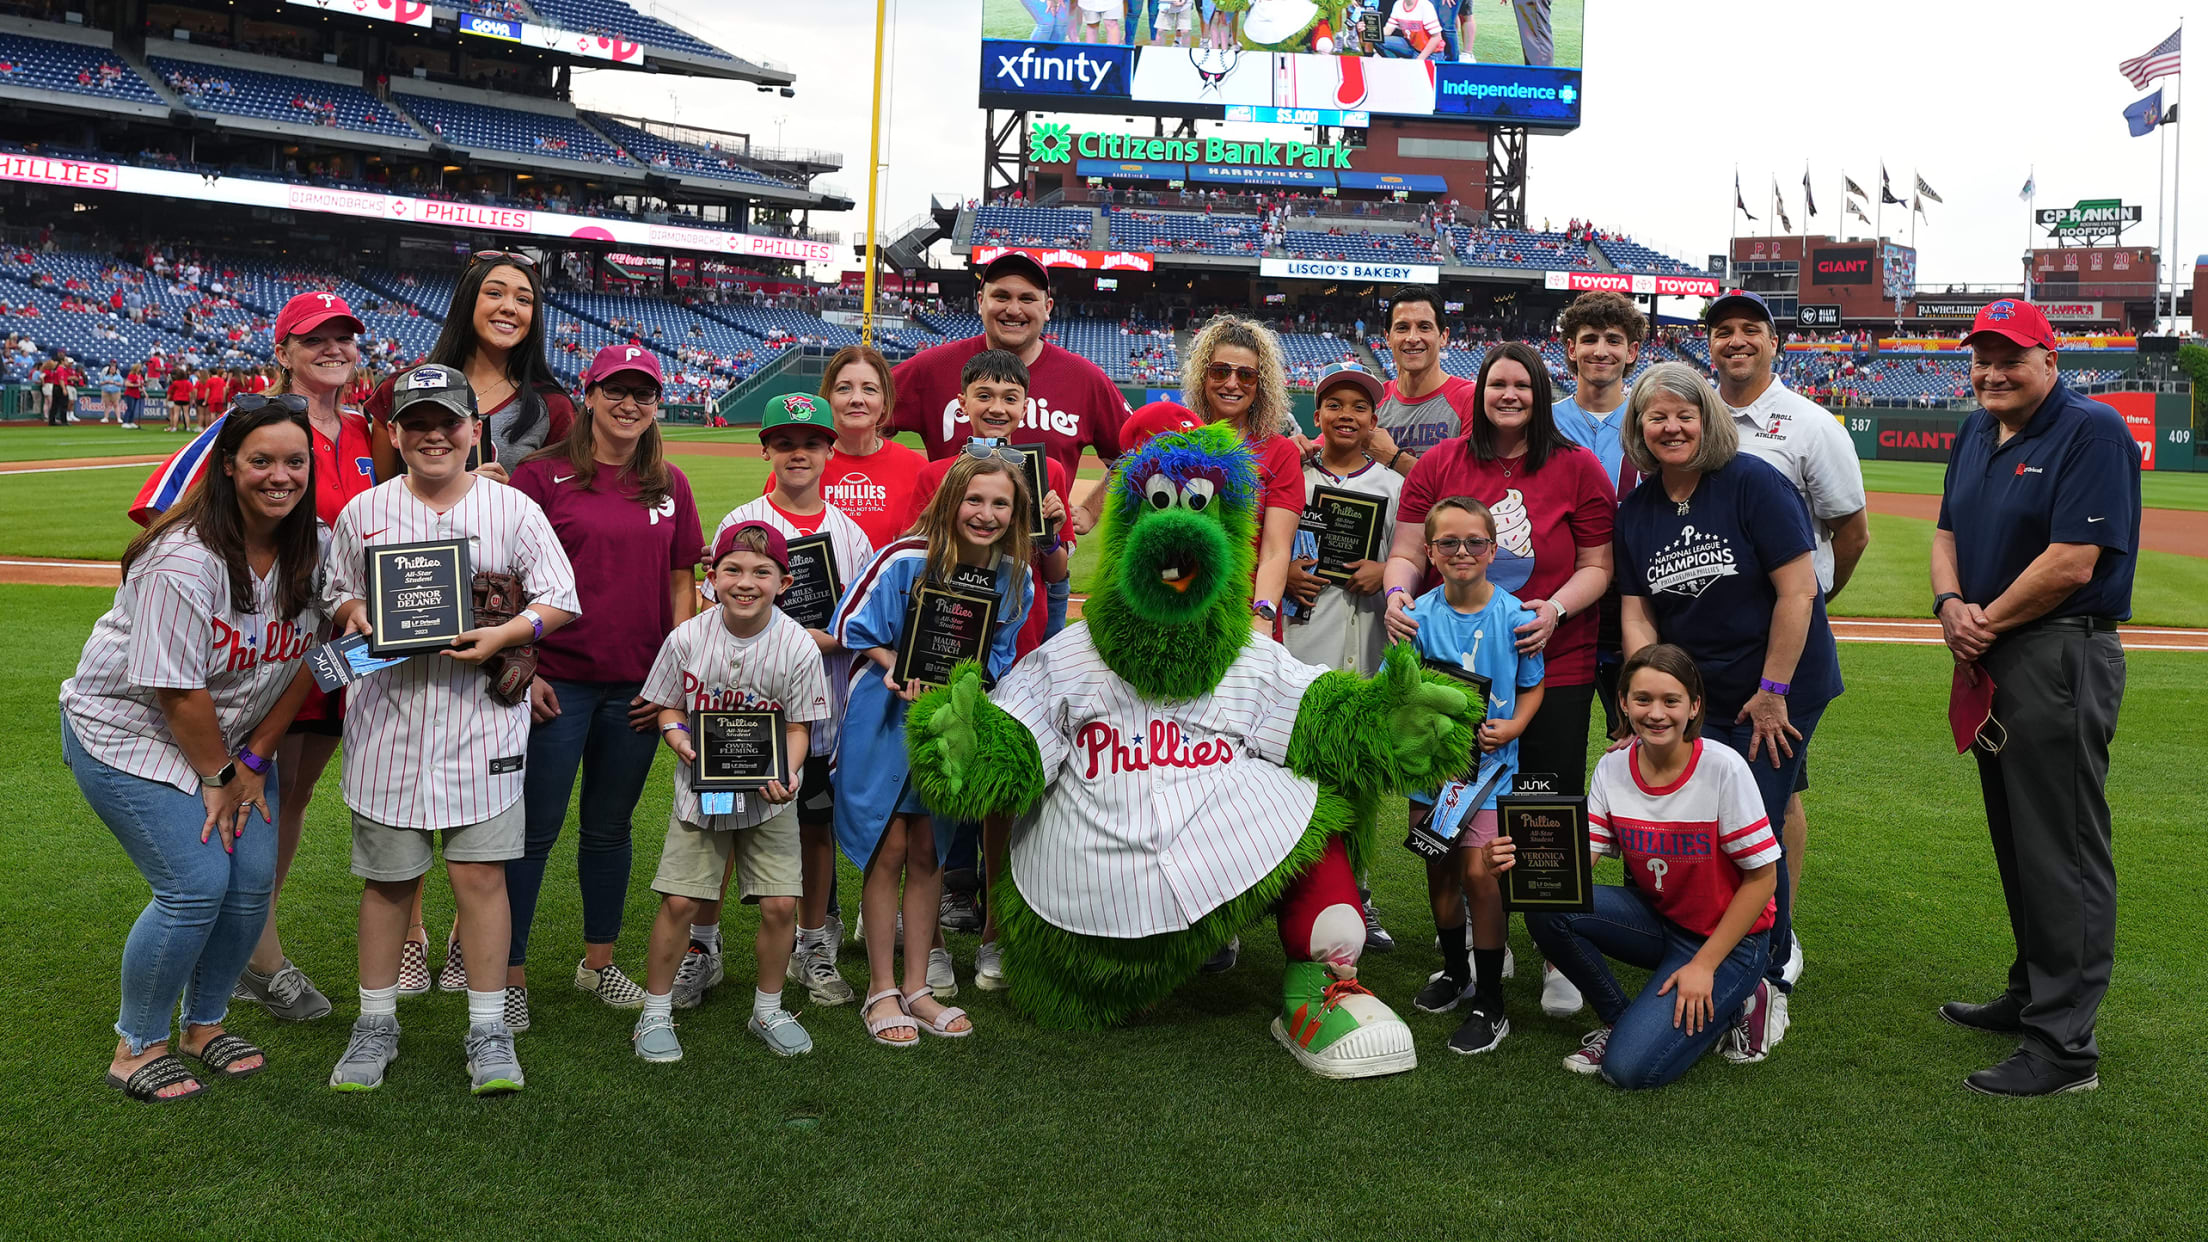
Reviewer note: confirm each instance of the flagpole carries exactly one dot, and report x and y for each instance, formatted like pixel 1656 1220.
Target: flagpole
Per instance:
pixel 2177 192
pixel 2161 213
pixel 2031 220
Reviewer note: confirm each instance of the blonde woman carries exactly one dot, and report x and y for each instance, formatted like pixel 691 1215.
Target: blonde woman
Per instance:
pixel 1234 375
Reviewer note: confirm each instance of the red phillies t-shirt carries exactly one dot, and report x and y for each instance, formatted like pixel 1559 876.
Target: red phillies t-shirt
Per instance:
pixel 806 524
pixel 180 389
pixel 1070 403
pixel 623 554
pixel 924 489
pixel 344 467
pixel 874 491
pixel 1542 519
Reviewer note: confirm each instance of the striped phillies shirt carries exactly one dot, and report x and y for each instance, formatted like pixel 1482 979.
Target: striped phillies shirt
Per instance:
pixel 1686 843
pixel 174 627
pixel 425 745
pixel 703 667
pixel 852 554
pixel 1160 812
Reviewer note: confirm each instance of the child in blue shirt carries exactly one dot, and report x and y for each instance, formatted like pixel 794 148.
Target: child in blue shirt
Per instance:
pixel 1470 623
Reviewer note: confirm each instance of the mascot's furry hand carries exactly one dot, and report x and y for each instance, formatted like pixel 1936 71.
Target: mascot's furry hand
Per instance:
pixel 969 757
pixel 1403 730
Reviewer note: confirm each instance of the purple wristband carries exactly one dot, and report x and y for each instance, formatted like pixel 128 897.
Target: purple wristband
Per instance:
pixel 1779 688
pixel 258 765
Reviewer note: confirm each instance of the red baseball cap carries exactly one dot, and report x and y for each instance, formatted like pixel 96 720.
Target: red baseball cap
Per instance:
pixel 614 359
pixel 309 311
pixel 1154 418
pixel 778 548
pixel 2018 320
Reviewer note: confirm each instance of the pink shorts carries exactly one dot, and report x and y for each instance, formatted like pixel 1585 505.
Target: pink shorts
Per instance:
pixel 1480 827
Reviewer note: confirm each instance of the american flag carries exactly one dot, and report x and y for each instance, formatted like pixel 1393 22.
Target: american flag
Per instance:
pixel 2161 60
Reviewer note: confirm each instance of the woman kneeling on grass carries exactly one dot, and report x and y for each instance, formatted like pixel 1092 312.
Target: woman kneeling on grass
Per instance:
pixel 1702 858
pixel 171 726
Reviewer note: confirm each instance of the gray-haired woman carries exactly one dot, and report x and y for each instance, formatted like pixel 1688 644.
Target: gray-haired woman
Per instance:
pixel 1713 555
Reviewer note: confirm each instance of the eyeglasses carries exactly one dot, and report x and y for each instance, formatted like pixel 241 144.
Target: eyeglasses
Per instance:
pixel 617 394
pixel 1005 453
pixel 502 256
pixel 1450 547
pixel 247 403
pixel 1222 372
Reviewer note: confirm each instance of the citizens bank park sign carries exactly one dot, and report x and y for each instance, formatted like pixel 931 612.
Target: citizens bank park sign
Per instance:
pixel 400 209
pixel 1619 282
pixel 1087 260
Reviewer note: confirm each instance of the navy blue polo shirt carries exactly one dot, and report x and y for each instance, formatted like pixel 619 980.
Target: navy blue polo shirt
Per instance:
pixel 2071 475
pixel 1706 574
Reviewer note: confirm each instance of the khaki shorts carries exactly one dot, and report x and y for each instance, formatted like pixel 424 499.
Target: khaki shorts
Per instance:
pixel 383 852
pixel 767 861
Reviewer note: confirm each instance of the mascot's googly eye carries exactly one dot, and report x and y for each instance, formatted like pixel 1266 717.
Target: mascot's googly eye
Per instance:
pixel 1197 493
pixel 1160 491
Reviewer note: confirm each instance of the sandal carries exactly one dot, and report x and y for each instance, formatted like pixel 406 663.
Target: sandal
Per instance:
pixel 145 1083
pixel 941 1024
pixel 226 1050
pixel 890 1021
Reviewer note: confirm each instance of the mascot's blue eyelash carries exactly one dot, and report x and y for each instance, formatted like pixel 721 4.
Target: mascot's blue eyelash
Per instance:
pixel 1214 453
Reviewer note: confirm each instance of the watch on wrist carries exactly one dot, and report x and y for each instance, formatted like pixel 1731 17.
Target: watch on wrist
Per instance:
pixel 228 773
pixel 1561 611
pixel 1940 601
pixel 254 763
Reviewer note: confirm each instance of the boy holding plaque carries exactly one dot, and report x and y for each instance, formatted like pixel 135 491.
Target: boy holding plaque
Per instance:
pixel 1468 628
pixel 1349 500
pixel 740 685
pixel 827 550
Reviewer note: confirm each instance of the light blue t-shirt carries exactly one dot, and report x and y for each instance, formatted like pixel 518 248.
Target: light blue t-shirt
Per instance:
pixel 1600 434
pixel 1484 642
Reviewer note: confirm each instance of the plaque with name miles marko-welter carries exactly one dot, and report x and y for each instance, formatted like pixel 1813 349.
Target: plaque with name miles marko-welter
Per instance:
pixel 943 628
pixel 738 748
pixel 815 586
pixel 419 596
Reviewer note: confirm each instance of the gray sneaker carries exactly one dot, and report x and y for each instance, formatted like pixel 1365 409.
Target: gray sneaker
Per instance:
pixel 816 969
pixel 492 1064
pixel 288 995
pixel 371 1050
pixel 781 1034
pixel 654 1038
pixel 699 973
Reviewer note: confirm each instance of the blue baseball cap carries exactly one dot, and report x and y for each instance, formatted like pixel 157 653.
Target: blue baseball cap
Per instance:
pixel 1349 373
pixel 1733 301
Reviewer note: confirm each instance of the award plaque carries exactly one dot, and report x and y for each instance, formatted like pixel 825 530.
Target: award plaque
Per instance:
pixel 1037 471
pixel 815 586
pixel 1472 684
pixel 943 628
pixel 1553 871
pixel 738 749
pixel 1347 527
pixel 418 596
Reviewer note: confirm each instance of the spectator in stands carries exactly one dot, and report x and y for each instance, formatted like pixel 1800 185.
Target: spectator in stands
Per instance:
pixel 1233 374
pixel 494 334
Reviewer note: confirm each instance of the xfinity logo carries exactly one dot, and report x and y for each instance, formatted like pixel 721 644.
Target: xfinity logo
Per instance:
pixel 1034 69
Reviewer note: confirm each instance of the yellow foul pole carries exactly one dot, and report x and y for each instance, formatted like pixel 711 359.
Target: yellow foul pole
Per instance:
pixel 874 172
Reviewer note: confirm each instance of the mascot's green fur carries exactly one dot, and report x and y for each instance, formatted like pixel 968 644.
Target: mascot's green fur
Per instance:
pixel 1168 611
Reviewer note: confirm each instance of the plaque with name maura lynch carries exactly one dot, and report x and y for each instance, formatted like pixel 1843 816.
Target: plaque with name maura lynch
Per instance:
pixel 942 629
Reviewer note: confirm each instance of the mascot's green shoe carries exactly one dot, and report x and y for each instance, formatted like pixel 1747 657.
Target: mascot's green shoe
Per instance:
pixel 1337 1029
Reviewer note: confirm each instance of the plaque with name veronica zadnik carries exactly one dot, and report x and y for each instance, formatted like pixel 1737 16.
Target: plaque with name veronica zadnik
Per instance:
pixel 1553 871
pixel 419 596
pixel 741 748
pixel 942 629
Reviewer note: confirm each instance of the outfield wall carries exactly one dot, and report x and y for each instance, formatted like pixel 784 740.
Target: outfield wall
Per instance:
pixel 2162 423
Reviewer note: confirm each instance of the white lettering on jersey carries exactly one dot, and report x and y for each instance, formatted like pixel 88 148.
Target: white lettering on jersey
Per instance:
pixel 1656 868
pixel 1039 417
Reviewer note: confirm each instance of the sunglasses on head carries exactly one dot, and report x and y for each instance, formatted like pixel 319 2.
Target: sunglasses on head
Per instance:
pixel 1222 371
pixel 502 256
pixel 252 401
pixel 975 448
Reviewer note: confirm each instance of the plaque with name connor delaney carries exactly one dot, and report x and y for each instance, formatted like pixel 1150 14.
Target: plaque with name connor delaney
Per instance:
pixel 738 749
pixel 1553 872
pixel 815 586
pixel 1347 527
pixel 943 628
pixel 419 596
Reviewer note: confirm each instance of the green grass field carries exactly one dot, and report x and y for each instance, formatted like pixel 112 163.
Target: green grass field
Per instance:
pixel 2157 489
pixel 1189 1122
pixel 1496 41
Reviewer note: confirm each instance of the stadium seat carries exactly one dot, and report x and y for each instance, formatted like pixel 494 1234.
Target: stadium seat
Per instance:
pixel 1180 232
pixel 73 68
pixel 1033 226
pixel 1361 247
pixel 276 97
pixel 1627 255
pixel 679 158
pixel 611 17
pixel 507 129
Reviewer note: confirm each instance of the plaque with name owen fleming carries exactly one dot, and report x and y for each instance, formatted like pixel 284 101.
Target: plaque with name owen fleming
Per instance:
pixel 815 586
pixel 1347 527
pixel 1553 871
pixel 942 629
pixel 419 596
pixel 1037 470
pixel 738 749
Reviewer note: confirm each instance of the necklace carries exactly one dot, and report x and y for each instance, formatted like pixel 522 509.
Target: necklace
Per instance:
pixel 1686 506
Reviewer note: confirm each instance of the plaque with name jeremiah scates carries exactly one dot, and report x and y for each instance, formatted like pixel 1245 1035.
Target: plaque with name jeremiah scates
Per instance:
pixel 1347 527
pixel 418 596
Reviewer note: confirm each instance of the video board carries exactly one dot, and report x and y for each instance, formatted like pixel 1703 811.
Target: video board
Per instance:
pixel 1297 62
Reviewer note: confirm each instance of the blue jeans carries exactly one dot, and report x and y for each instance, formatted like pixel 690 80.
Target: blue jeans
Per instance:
pixel 1054 618
pixel 1776 785
pixel 1645 1049
pixel 1446 12
pixel 1398 47
pixel 132 407
pixel 1049 27
pixel 591 733
pixel 196 935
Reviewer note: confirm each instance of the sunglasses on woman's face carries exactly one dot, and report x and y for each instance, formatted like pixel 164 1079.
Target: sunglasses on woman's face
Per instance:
pixel 249 402
pixel 502 256
pixel 1220 372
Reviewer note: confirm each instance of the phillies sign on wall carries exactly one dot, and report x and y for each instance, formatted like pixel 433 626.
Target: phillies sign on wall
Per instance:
pixel 1087 260
pixel 1619 282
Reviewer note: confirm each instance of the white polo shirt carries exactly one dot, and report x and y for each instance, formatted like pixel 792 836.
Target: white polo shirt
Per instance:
pixel 1807 445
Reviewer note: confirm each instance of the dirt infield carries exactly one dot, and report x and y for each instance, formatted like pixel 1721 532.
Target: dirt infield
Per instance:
pixel 42 571
pixel 78 463
pixel 2182 531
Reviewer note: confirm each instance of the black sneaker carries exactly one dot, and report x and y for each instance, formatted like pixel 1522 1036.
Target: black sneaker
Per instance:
pixel 960 912
pixel 1441 993
pixel 1483 1029
pixel 1223 961
pixel 1377 939
pixel 2025 1075
pixel 2003 1015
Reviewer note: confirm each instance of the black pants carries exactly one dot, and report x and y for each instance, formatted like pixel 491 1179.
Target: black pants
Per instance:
pixel 2058 686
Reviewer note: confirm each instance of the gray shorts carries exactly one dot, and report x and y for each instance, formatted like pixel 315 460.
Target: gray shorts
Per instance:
pixel 383 852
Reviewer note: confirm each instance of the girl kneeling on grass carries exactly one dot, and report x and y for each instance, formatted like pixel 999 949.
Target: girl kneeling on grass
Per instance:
pixel 1701 857
pixel 973 538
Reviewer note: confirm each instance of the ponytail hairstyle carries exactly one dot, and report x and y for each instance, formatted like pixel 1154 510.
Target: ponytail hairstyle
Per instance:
pixel 647 466
pixel 938 522
pixel 208 511
pixel 1673 662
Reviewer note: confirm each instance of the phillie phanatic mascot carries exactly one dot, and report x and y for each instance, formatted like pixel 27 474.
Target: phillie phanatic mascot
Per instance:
pixel 1175 775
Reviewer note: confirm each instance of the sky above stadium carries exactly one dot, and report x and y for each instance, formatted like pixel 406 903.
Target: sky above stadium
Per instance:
pixel 1974 97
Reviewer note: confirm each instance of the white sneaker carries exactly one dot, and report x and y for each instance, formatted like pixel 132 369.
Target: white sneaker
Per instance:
pixel 858 930
pixel 942 979
pixel 1559 997
pixel 1510 961
pixel 989 966
pixel 699 973
pixel 1792 971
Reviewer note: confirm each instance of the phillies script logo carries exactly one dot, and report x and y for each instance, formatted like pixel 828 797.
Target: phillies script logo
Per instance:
pixel 722 698
pixel 418 562
pixel 243 650
pixel 1166 750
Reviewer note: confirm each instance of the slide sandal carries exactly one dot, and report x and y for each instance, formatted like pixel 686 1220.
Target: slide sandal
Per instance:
pixel 226 1050
pixel 145 1083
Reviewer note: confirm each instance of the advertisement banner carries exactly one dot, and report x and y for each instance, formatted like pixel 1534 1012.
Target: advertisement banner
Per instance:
pixel 1132 170
pixel 1417 183
pixel 1344 269
pixel 1510 94
pixel 1619 282
pixel 1933 343
pixel 2138 411
pixel 1087 260
pixel 282 196
pixel 1245 174
pixel 1842 265
pixel 1061 73
pixel 1916 439
pixel 404 12
pixel 2076 312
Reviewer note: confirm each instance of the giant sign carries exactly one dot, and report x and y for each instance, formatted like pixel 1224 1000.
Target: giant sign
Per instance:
pixel 1842 265
pixel 1087 260
pixel 284 196
pixel 2090 219
pixel 1620 282
pixel 1348 269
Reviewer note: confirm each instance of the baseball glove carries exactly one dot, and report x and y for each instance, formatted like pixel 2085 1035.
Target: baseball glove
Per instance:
pixel 499 598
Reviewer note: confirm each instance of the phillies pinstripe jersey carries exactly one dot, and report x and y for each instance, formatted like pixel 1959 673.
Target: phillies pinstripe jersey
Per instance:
pixel 852 553
pixel 1685 843
pixel 1158 813
pixel 425 745
pixel 703 667
pixel 174 627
